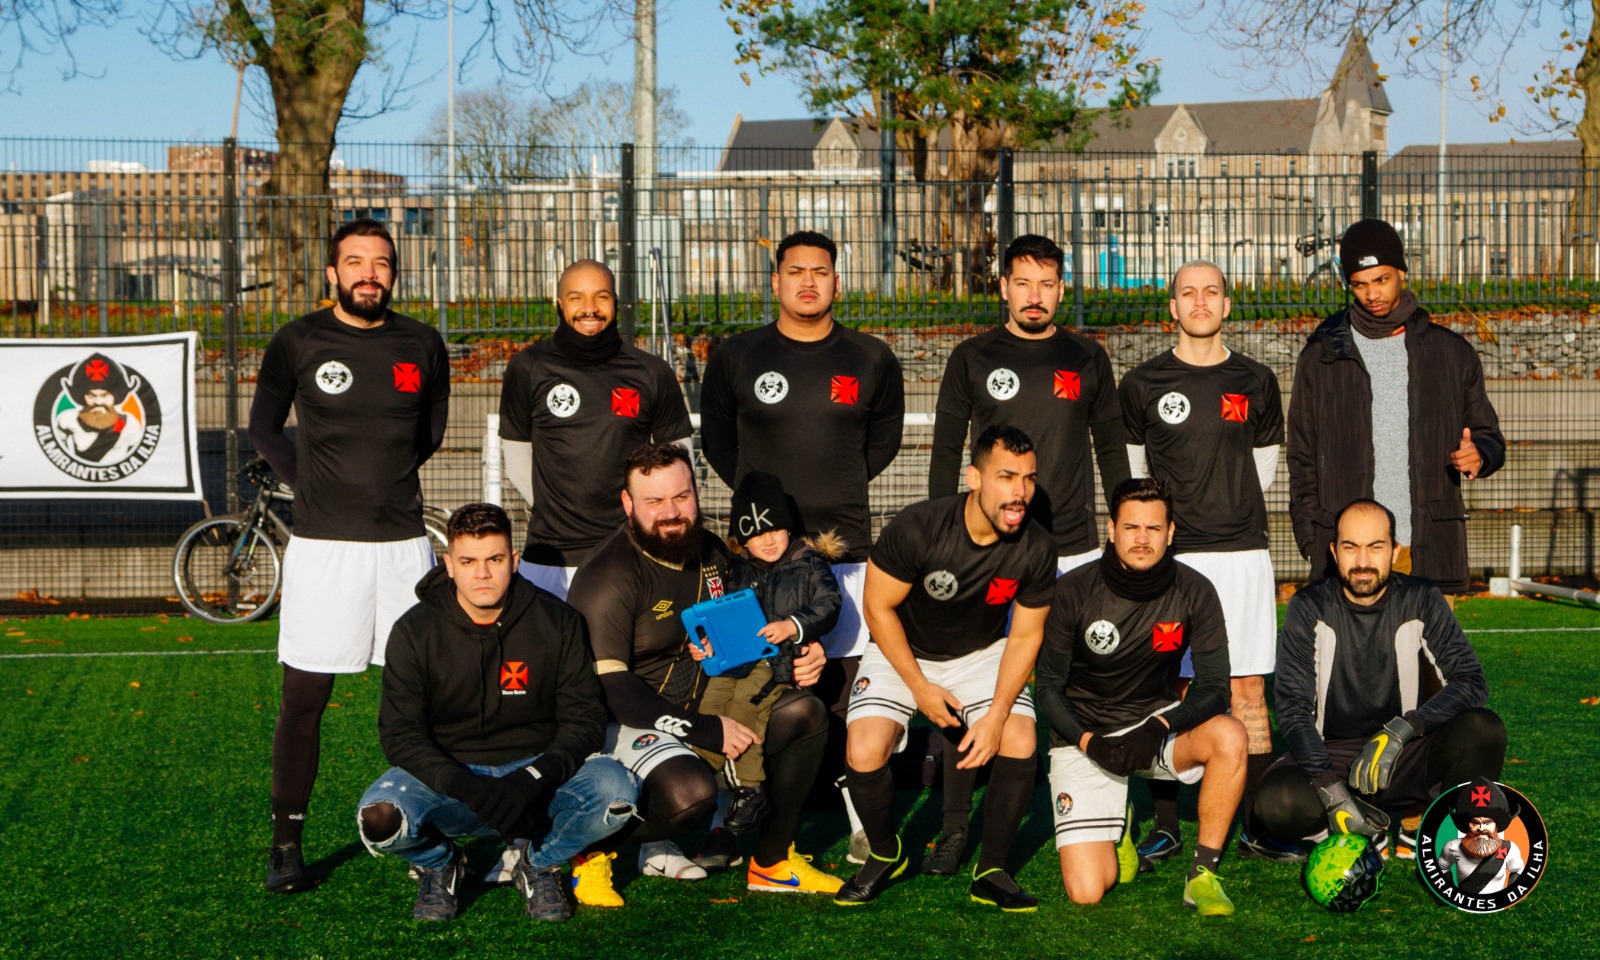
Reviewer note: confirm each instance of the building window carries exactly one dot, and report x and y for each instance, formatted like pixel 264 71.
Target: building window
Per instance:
pixel 1224 168
pixel 419 222
pixel 1258 168
pixel 1291 166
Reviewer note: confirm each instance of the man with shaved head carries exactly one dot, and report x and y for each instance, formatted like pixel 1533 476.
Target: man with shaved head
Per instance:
pixel 581 396
pixel 1364 736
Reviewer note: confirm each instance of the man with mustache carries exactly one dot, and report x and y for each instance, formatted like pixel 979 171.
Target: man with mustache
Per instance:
pixel 632 591
pixel 1108 686
pixel 943 577
pixel 370 389
pixel 581 396
pixel 1057 387
pixel 1364 737
pixel 1485 861
pixel 1379 375
pixel 1208 421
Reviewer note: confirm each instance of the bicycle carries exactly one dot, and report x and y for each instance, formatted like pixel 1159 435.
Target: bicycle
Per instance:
pixel 229 568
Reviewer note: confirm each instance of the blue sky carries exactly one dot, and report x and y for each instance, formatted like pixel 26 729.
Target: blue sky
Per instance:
pixel 132 90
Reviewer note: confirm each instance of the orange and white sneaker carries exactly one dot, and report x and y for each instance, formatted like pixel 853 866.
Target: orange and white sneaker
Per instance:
pixel 591 881
pixel 794 875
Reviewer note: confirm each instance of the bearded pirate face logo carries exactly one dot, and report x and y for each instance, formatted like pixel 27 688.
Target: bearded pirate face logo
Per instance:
pixel 97 420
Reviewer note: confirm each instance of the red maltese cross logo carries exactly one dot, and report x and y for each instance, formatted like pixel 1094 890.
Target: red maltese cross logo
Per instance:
pixel 625 402
pixel 1167 637
pixel 1001 591
pixel 1068 386
pixel 844 390
pixel 513 675
pixel 1235 407
pixel 1480 796
pixel 97 370
pixel 407 378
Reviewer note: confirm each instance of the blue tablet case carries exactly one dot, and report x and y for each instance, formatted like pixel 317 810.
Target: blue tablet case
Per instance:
pixel 732 624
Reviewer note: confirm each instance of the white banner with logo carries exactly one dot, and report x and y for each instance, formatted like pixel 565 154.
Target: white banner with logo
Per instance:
pixel 104 419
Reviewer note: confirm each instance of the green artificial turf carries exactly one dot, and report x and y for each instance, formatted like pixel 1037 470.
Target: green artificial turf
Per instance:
pixel 133 823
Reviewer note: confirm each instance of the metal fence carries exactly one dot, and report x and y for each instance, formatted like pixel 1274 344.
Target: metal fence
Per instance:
pixel 111 238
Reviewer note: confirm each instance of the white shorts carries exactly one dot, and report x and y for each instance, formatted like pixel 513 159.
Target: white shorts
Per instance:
pixel 1089 803
pixel 1065 565
pixel 1249 597
pixel 342 597
pixel 557 580
pixel 880 692
pixel 641 751
pixel 848 638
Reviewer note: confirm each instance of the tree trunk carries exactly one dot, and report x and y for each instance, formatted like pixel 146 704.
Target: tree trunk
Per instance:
pixel 311 61
pixel 1584 212
pixel 974 161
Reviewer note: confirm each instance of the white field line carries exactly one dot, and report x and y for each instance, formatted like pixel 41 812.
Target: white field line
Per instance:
pixel 127 653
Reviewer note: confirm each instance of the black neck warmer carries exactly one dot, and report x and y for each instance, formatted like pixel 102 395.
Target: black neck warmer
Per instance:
pixel 1138 585
pixel 1376 328
pixel 587 351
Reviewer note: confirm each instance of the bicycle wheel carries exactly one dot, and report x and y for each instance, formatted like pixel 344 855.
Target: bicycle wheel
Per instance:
pixel 226 572
pixel 434 521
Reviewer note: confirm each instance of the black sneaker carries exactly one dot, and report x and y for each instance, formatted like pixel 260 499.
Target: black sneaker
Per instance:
pixel 436 889
pixel 286 870
pixel 545 893
pixel 1266 848
pixel 997 889
pixel 749 807
pixel 949 853
pixel 870 882
pixel 720 852
pixel 1158 846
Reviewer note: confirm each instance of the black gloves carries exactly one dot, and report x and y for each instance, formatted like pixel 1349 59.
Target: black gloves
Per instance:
pixel 1371 771
pixel 504 802
pixel 1350 814
pixel 1125 754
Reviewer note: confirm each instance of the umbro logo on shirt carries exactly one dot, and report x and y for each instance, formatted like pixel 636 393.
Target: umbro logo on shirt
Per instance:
pixel 1166 637
pixel 513 678
pixel 1001 591
pixel 625 402
pixel 1068 385
pixel 407 378
pixel 844 390
pixel 1235 407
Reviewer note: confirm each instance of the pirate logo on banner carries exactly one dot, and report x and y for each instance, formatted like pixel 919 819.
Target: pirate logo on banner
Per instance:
pixel 1483 847
pixel 97 420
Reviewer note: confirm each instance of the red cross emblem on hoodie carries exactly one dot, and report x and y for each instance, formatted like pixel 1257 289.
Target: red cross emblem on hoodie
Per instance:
pixel 1235 407
pixel 1001 591
pixel 844 390
pixel 513 675
pixel 625 402
pixel 1167 637
pixel 1068 386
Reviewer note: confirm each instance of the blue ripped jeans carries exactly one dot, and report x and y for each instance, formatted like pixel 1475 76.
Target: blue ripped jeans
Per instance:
pixel 593 805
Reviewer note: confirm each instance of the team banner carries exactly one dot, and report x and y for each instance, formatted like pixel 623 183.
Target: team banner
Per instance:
pixel 104 419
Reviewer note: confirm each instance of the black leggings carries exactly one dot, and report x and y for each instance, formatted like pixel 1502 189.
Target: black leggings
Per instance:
pixel 1470 744
pixel 296 748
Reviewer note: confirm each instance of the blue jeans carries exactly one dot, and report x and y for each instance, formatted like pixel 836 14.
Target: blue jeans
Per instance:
pixel 593 805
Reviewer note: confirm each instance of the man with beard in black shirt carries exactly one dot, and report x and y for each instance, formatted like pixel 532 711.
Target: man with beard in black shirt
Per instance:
pixel 1364 736
pixel 1056 386
pixel 632 591
pixel 371 390
pixel 943 576
pixel 1108 687
pixel 1208 420
pixel 582 396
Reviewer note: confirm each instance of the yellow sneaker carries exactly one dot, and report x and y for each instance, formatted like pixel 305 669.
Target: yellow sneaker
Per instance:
pixel 1127 853
pixel 794 875
pixel 1204 894
pixel 591 881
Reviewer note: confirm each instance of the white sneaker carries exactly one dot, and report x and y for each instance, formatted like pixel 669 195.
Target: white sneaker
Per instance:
pixel 663 859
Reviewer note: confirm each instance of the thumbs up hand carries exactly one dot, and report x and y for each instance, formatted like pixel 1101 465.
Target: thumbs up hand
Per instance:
pixel 1465 457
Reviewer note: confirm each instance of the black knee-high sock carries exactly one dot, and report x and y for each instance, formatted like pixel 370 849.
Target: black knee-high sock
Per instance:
pixel 1255 765
pixel 872 793
pixel 1165 795
pixel 789 777
pixel 296 748
pixel 959 785
pixel 1010 788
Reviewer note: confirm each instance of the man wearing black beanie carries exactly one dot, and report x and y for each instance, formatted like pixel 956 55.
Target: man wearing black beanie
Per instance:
pixel 1379 375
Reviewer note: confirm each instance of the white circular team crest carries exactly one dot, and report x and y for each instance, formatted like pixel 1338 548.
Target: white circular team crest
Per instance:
pixel 771 387
pixel 1102 637
pixel 334 377
pixel 562 400
pixel 940 584
pixel 1174 407
pixel 1003 384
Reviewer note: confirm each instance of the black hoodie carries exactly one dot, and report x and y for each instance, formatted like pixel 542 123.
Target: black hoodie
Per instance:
pixel 455 692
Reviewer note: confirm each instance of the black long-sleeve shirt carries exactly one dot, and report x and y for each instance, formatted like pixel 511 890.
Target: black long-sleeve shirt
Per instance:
pixel 1345 670
pixel 824 417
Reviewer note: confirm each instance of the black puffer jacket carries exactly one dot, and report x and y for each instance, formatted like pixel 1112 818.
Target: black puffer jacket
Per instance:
pixel 1331 460
pixel 455 692
pixel 800 587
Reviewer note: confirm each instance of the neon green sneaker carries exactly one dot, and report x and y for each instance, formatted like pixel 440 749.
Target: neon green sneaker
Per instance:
pixel 1204 893
pixel 1127 853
